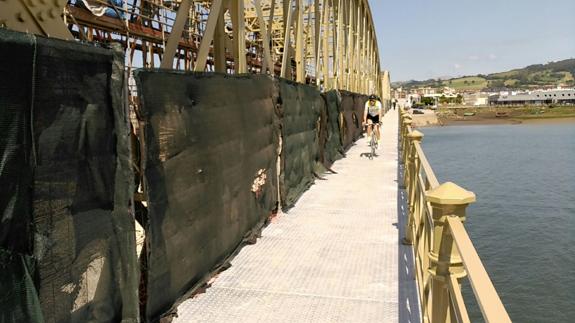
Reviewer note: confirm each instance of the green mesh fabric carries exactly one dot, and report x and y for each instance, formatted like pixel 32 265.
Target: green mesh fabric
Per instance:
pixel 65 147
pixel 301 107
pixel 210 170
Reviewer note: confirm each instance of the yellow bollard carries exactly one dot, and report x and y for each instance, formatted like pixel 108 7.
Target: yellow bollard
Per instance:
pixel 446 200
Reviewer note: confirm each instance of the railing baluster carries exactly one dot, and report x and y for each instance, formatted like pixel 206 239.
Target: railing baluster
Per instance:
pixel 457 302
pixel 412 178
pixel 485 293
pixel 443 252
pixel 446 200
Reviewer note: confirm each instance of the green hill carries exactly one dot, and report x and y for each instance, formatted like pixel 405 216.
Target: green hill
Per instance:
pixel 531 77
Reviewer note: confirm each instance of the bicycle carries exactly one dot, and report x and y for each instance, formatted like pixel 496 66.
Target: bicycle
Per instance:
pixel 373 142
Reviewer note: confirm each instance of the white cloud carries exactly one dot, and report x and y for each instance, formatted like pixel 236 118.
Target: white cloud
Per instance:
pixel 473 58
pixel 492 56
pixel 457 66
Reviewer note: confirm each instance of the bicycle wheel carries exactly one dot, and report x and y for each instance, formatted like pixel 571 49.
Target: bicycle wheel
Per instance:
pixel 372 144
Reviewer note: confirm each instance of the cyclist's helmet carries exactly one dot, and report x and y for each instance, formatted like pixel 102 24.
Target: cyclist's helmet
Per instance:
pixel 372 97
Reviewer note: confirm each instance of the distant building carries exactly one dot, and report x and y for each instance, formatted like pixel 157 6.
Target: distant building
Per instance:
pixel 449 91
pixel 476 99
pixel 398 93
pixel 560 96
pixel 423 91
pixel 438 95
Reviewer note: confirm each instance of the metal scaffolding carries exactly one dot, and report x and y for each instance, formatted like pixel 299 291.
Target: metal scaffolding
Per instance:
pixel 329 43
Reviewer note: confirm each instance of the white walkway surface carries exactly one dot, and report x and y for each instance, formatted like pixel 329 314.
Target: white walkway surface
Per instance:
pixel 334 257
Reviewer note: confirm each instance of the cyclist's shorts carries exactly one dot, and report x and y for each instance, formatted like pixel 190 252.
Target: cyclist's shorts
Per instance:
pixel 374 119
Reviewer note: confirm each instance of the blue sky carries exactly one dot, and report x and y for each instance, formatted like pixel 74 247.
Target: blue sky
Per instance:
pixel 422 39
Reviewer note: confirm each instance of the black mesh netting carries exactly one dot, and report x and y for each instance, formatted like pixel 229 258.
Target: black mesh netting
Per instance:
pixel 18 296
pixel 333 149
pixel 67 249
pixel 210 171
pixel 358 108
pixel 64 146
pixel 351 121
pixel 18 299
pixel 16 160
pixel 300 108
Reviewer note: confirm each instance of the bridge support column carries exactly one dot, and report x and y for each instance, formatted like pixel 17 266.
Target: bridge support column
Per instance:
pixel 446 200
pixel 411 177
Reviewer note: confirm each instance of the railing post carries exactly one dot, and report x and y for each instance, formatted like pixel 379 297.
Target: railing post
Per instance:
pixel 405 146
pixel 411 176
pixel 401 131
pixel 406 116
pixel 446 200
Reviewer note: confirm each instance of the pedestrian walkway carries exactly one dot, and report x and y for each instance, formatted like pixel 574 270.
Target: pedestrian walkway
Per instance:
pixel 334 257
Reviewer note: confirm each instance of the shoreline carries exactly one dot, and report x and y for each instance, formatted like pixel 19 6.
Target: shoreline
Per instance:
pixel 501 121
pixel 433 119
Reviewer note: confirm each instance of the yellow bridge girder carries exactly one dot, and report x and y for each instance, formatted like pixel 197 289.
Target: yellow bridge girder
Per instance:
pixel 331 43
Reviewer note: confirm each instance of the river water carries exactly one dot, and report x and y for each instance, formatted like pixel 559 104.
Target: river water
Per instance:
pixel 523 223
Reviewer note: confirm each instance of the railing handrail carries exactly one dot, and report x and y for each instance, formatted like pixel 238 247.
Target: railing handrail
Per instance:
pixel 485 293
pixel 443 250
pixel 428 171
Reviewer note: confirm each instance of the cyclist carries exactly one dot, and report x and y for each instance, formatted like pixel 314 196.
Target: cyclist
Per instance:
pixel 372 113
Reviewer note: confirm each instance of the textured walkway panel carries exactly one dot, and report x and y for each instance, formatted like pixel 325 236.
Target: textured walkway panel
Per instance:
pixel 334 257
pixel 210 171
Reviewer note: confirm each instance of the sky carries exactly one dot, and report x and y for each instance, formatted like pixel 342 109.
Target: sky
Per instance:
pixel 423 39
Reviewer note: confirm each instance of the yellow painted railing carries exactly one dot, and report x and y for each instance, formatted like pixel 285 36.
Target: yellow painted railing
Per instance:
pixel 443 251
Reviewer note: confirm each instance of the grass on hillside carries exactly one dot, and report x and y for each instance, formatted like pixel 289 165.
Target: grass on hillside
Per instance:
pixel 510 79
pixel 548 76
pixel 504 75
pixel 467 83
pixel 568 76
pixel 530 77
pixel 511 82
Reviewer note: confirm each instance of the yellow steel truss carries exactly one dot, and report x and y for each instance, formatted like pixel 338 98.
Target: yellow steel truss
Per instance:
pixel 330 43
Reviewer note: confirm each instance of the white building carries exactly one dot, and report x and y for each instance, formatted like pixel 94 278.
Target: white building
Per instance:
pixel 560 96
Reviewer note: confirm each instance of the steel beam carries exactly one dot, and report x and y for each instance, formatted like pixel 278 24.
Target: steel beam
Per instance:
pixel 176 34
pixel 332 41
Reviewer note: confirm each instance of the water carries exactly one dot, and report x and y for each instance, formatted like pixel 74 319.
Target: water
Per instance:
pixel 523 223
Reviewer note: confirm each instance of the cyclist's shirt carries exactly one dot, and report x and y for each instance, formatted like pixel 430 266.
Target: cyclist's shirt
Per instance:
pixel 373 110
